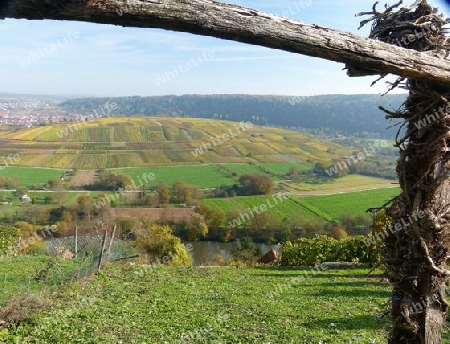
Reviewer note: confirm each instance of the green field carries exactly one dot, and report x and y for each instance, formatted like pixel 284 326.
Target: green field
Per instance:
pixel 312 208
pixel 29 175
pixel 202 176
pixel 240 169
pixel 353 203
pixel 213 305
pixel 349 183
pixel 287 208
pixel 283 167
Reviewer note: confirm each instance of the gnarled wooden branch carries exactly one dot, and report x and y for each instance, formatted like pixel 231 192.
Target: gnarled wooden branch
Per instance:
pixel 363 56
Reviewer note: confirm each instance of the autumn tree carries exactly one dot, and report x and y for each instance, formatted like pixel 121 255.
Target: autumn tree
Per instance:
pixel 293 173
pixel 195 228
pixel 182 192
pixel 14 182
pixel 256 184
pixel 113 181
pixel 59 196
pixel 126 225
pixel 163 194
pixel 85 206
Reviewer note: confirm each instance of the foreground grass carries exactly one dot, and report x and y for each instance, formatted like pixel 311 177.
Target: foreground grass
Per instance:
pixel 18 275
pixel 212 305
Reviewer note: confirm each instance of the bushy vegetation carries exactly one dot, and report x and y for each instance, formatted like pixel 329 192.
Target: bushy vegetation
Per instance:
pixel 8 239
pixel 322 248
pixel 256 184
pixel 111 181
pixel 158 244
pixel 245 252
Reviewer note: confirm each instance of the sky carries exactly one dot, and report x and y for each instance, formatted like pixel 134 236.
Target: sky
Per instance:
pixel 75 58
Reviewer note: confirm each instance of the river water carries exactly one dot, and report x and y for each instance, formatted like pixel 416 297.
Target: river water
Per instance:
pixel 204 252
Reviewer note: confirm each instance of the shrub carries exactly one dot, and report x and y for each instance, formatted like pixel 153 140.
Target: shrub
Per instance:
pixel 353 249
pixel 322 248
pixel 22 308
pixel 8 239
pixel 308 251
pixel 245 252
pixel 161 246
pixel 338 233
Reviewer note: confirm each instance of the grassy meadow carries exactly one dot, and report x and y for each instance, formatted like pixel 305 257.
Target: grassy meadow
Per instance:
pixel 212 305
pixel 30 175
pixel 352 203
pixel 287 208
pixel 201 176
pixel 314 208
pixel 349 183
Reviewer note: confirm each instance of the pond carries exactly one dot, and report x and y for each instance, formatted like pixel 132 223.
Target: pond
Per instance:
pixel 204 252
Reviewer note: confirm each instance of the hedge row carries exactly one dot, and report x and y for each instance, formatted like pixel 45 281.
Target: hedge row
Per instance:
pixel 322 248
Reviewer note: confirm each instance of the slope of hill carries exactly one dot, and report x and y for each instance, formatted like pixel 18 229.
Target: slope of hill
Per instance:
pixel 140 304
pixel 150 141
pixel 344 114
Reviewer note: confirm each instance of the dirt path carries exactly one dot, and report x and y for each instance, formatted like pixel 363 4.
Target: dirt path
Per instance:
pixel 83 178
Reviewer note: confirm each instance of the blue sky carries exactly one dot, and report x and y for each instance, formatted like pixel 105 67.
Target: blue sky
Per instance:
pixel 99 60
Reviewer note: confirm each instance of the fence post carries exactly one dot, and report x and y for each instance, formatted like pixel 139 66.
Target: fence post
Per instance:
pixel 110 243
pixel 76 241
pixel 101 251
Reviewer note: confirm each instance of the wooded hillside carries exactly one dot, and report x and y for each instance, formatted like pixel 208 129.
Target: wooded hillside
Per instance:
pixel 344 114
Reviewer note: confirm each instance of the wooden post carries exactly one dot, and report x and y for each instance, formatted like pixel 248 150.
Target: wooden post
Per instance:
pixel 110 243
pixel 76 242
pixel 102 250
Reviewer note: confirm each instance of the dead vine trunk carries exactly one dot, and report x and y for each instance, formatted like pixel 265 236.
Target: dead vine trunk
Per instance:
pixel 416 250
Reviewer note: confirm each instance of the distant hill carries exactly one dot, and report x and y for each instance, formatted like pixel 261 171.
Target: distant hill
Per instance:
pixel 356 115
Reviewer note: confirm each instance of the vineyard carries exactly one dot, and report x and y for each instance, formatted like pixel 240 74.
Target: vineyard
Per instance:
pixel 161 141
